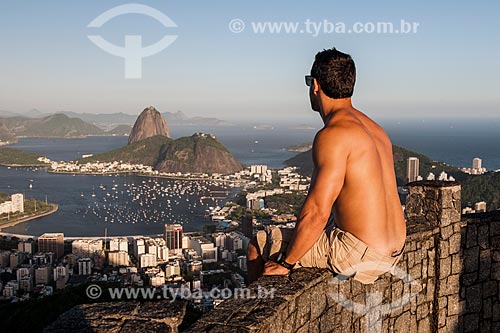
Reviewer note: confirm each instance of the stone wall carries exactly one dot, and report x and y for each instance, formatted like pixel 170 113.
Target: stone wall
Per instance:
pixel 430 291
pixel 124 317
pixel 480 279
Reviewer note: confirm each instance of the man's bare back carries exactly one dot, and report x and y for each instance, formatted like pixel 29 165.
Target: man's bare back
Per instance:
pixel 368 204
pixel 353 179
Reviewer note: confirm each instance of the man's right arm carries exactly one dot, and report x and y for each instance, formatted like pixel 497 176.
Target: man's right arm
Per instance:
pixel 330 153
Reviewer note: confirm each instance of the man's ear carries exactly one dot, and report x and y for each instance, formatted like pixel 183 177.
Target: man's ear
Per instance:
pixel 316 87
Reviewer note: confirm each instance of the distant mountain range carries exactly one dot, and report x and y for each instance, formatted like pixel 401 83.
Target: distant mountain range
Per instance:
pixel 35 123
pixel 109 121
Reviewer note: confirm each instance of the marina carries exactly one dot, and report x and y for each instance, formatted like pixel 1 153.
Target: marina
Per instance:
pixel 125 204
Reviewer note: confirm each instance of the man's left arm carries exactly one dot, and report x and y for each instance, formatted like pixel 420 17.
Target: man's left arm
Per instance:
pixel 330 154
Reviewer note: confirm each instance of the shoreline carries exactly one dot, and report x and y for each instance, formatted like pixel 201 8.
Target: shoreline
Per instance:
pixel 91 173
pixel 24 165
pixel 142 175
pixel 8 224
pixel 181 178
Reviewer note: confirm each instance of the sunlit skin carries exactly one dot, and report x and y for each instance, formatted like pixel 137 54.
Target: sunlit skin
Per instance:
pixel 354 174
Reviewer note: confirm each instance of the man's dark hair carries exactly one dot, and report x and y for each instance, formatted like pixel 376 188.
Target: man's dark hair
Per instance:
pixel 335 72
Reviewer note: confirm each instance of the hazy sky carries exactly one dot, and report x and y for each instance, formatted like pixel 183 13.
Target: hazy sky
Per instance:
pixel 449 68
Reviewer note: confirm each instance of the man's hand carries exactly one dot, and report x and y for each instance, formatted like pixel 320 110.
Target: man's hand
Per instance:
pixel 273 268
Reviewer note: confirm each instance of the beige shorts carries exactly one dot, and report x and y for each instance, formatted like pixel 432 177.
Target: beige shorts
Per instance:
pixel 336 250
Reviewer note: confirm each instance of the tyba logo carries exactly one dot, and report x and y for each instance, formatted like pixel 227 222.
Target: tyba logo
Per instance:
pixel 132 52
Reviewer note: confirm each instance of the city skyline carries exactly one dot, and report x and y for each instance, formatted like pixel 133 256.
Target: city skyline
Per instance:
pixel 51 65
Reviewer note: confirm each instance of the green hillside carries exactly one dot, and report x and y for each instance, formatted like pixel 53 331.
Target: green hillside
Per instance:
pixel 10 156
pixel 189 143
pixel 482 188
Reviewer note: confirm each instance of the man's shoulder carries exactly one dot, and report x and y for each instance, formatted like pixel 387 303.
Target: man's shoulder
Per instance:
pixel 334 139
pixel 341 130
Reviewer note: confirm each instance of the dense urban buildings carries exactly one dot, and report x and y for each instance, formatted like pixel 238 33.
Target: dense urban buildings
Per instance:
pixel 477 167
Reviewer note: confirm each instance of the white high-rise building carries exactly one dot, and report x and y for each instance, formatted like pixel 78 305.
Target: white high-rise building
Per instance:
pixel 18 202
pixel 412 169
pixel 477 163
pixel 162 253
pixel 151 247
pixel 84 266
pixel 61 272
pixel 43 274
pixel 118 258
pixel 147 260
pixel 220 239
pixel 259 169
pixel 118 244
pixel 25 246
pixel 86 247
pixel 139 247
pixel 203 248
pixel 24 271
pixel 172 269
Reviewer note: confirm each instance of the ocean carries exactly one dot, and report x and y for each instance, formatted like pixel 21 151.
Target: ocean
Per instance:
pixel 135 212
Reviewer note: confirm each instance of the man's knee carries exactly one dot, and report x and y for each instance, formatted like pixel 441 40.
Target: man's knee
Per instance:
pixel 253 249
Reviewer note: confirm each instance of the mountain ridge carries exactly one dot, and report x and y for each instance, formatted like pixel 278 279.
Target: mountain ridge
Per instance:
pixel 108 121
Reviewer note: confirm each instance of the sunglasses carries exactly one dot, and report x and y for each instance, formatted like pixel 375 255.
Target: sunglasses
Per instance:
pixel 309 80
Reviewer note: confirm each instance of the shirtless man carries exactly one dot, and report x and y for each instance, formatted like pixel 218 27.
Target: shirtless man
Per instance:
pixel 353 184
